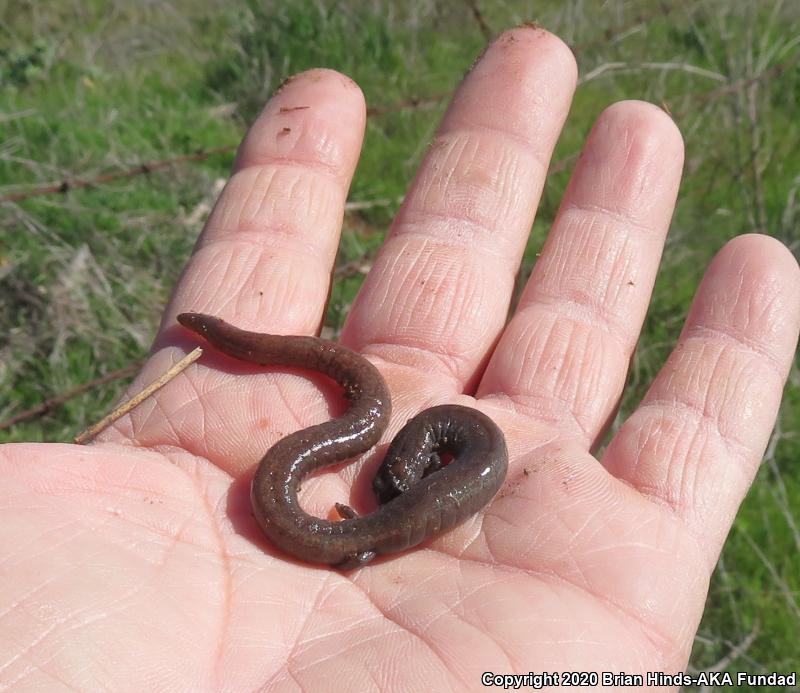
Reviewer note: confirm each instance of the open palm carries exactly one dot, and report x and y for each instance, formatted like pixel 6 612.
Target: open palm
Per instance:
pixel 134 563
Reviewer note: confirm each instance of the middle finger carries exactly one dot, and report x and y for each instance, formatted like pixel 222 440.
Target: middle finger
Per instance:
pixel 437 296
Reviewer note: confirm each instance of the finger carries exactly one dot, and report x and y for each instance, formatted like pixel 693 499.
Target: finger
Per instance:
pixel 564 355
pixel 265 256
pixel 437 295
pixel 263 261
pixel 697 438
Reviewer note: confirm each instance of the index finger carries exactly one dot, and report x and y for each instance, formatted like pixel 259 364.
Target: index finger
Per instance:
pixel 264 259
pixel 265 256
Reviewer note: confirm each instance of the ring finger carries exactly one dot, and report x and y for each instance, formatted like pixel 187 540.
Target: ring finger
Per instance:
pixel 564 356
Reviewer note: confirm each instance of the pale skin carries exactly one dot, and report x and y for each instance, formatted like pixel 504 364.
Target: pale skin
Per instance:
pixel 134 563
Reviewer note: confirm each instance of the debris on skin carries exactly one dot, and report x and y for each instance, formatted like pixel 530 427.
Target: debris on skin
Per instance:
pixel 286 81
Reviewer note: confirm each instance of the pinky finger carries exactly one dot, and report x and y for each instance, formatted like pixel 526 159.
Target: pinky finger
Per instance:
pixel 697 438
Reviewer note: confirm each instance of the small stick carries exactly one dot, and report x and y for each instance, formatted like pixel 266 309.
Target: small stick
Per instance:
pixel 53 402
pixel 136 400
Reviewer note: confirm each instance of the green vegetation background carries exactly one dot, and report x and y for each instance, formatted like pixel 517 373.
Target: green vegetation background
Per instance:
pixel 91 87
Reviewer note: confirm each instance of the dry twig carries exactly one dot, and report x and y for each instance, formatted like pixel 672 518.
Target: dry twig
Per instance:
pixel 53 402
pixel 136 400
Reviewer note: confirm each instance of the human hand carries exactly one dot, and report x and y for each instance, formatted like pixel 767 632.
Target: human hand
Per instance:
pixel 134 563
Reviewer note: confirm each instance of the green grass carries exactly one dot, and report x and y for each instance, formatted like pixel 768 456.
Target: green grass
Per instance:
pixel 92 87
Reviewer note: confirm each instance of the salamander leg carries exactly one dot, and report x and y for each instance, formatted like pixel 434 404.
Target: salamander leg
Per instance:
pixel 356 560
pixel 345 511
